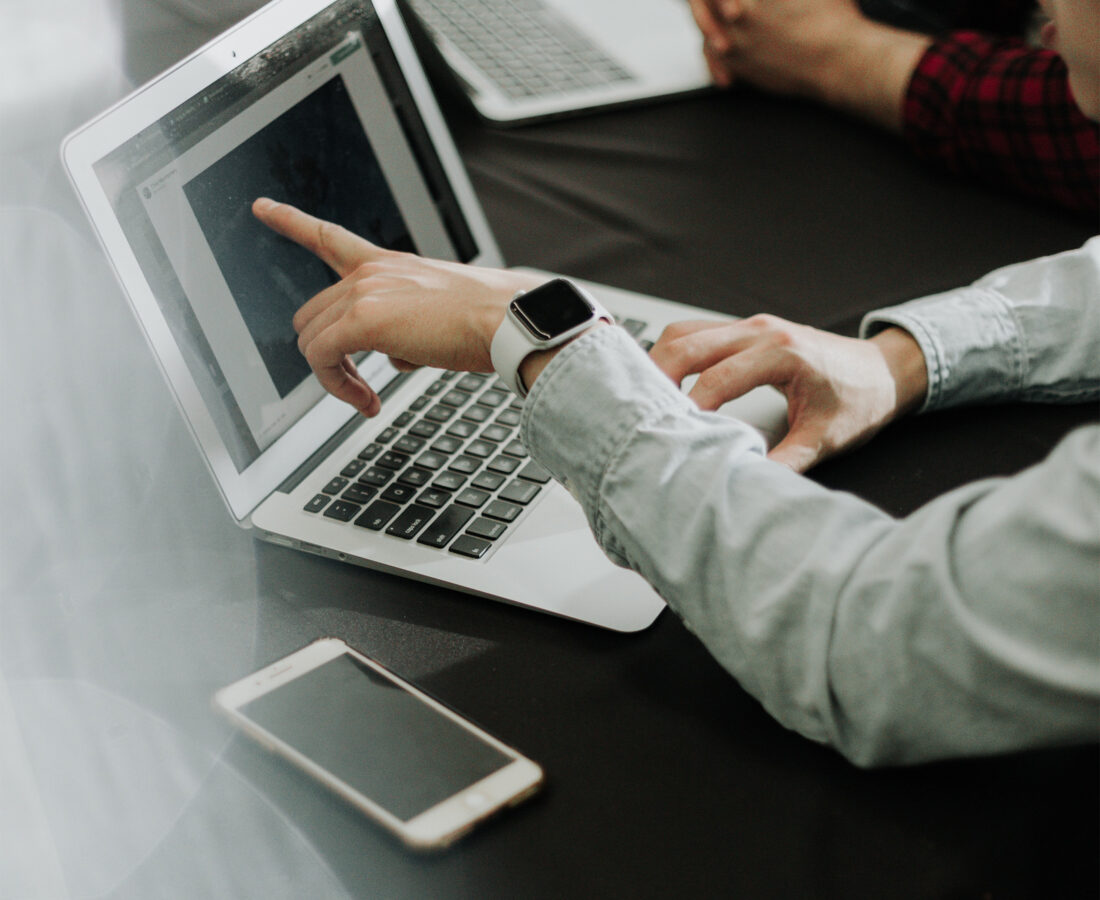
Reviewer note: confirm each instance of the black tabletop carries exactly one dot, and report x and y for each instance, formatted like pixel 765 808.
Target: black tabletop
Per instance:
pixel 129 596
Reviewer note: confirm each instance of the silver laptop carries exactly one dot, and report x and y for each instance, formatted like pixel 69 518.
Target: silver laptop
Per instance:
pixel 325 105
pixel 522 60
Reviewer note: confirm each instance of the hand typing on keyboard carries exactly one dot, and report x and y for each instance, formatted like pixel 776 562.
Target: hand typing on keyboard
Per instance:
pixel 840 391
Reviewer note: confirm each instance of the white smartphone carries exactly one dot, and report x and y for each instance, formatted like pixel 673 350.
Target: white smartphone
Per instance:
pixel 403 758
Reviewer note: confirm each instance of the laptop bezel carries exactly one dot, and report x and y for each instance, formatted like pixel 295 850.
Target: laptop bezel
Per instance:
pixel 243 491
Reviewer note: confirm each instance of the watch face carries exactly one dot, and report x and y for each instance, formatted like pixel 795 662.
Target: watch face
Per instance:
pixel 552 309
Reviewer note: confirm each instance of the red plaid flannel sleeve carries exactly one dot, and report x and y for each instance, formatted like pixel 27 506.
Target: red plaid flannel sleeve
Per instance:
pixel 1001 110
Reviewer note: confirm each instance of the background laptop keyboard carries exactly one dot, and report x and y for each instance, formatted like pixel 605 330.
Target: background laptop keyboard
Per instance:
pixel 449 473
pixel 524 47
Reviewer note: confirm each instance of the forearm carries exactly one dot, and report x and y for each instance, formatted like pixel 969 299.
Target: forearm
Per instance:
pixel 855 629
pixel 867 73
pixel 1002 111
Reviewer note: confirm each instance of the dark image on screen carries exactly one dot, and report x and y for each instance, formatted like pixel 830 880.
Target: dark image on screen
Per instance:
pixel 317 157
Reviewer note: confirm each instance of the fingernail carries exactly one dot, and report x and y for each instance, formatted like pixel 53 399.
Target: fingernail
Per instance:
pixel 263 204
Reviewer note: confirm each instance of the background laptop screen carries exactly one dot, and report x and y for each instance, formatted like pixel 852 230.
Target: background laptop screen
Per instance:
pixel 322 119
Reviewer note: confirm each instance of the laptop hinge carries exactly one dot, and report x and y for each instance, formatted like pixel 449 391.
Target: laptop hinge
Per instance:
pixel 339 436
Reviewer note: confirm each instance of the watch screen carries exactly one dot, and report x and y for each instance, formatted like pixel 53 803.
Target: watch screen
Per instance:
pixel 552 309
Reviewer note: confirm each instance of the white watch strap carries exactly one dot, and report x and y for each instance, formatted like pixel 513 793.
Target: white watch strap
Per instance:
pixel 512 344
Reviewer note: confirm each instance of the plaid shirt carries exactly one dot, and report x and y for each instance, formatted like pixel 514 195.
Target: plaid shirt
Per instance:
pixel 1001 110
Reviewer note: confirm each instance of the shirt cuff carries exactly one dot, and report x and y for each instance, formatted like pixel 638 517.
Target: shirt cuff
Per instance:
pixel 594 391
pixel 972 344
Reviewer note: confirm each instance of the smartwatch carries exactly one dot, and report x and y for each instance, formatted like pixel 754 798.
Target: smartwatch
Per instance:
pixel 538 319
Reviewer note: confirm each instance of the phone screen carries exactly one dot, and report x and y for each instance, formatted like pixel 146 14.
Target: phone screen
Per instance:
pixel 377 737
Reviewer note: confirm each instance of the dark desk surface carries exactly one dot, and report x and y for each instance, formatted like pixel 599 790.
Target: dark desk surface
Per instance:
pixel 129 596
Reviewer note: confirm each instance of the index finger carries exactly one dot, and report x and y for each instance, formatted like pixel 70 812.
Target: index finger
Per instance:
pixel 336 246
pixel 709 23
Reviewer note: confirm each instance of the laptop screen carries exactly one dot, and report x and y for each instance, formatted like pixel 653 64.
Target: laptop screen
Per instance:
pixel 322 119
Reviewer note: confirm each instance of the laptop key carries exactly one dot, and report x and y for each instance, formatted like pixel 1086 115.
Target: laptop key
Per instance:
pixel 399 493
pixel 434 497
pixel 335 486
pixel 486 528
pixel 408 525
pixel 318 503
pixel 455 398
pixel 392 460
pixel 440 413
pixel 376 477
pixel 496 433
pixel 462 429
pixel 465 465
pixel 370 451
pixel 481 449
pixel 358 493
pixel 449 481
pixel 506 465
pixel 521 492
pixel 408 444
pixel 471 381
pixel 493 398
pixel 424 429
pixel 342 510
pixel 503 510
pixel 473 497
pixel 470 546
pixel 415 476
pixel 634 326
pixel 534 472
pixel 353 468
pixel 488 481
pixel 377 515
pixel 477 413
pixel 446 525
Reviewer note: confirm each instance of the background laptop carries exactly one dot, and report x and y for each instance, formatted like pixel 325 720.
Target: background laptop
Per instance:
pixel 521 60
pixel 326 106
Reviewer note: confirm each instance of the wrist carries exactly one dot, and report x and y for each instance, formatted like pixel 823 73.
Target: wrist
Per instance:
pixel 866 71
pixel 905 361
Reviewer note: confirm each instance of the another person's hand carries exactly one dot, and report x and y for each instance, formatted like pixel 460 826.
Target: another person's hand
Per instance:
pixel 780 46
pixel 827 50
pixel 840 391
pixel 417 311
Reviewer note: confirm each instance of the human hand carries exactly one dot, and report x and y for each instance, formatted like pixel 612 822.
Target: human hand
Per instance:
pixel 779 46
pixel 840 391
pixel 417 311
pixel 826 50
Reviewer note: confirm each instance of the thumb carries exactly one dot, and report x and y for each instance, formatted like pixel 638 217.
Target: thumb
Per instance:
pixel 336 246
pixel 800 450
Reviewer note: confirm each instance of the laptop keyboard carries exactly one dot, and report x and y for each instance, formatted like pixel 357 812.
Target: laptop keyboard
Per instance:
pixel 526 48
pixel 450 473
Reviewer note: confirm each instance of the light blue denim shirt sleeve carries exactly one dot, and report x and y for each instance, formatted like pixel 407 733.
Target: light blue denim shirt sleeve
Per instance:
pixel 969 627
pixel 1030 331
